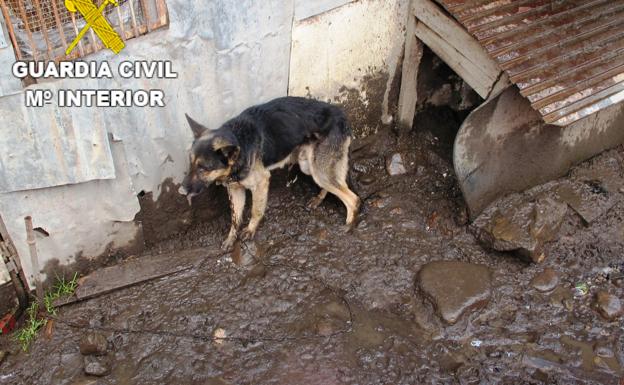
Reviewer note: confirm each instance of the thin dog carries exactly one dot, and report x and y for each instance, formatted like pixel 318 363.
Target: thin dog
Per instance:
pixel 242 153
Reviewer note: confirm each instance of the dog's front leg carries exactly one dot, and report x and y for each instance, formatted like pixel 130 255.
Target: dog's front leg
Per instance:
pixel 237 206
pixel 259 195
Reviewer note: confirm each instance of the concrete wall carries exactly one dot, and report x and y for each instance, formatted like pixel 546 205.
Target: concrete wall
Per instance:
pixel 229 54
pixel 351 55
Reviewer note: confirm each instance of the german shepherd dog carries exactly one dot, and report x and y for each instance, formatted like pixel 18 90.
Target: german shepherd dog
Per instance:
pixel 242 153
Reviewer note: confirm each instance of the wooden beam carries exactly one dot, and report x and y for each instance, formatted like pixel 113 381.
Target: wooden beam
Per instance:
pixel 409 76
pixel 453 44
pixel 454 58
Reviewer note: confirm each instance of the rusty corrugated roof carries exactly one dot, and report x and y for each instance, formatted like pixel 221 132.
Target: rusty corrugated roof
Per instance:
pixel 566 56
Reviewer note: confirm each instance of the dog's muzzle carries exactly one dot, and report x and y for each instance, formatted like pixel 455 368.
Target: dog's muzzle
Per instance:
pixel 190 188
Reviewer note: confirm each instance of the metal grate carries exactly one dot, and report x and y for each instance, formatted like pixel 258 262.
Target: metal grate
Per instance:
pixel 42 30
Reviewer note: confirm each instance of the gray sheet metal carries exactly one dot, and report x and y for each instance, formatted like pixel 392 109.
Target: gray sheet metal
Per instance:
pixel 48 146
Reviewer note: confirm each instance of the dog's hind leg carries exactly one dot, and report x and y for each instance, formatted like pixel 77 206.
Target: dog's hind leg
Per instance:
pixel 329 167
pixel 236 194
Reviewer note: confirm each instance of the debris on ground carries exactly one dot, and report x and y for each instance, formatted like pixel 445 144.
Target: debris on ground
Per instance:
pixel 219 336
pixel 609 306
pixel 546 280
pixel 93 344
pixel 395 166
pixel 7 323
pixel 96 366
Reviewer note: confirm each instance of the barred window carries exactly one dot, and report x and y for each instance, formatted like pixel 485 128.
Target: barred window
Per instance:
pixel 42 30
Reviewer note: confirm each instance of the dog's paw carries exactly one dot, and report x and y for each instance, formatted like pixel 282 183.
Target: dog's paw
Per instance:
pixel 247 235
pixel 228 244
pixel 314 203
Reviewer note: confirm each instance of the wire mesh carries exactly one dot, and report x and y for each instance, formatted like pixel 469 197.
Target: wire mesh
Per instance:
pixel 42 30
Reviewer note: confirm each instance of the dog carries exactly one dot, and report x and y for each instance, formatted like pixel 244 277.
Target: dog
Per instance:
pixel 242 153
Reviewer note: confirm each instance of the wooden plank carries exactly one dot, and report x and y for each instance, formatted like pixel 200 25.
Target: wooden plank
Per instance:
pixel 409 76
pixel 59 24
pixel 9 25
pixel 28 31
pixel 470 72
pixel 132 272
pixel 44 28
pixel 146 14
pixel 134 21
pixel 80 47
pixel 163 15
pixel 121 24
pixel 456 36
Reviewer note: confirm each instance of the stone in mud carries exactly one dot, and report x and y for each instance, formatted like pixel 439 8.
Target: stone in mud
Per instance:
pixel 93 344
pixel 545 281
pixel 455 288
pixel 394 165
pixel 609 306
pixel 96 366
pixel 519 224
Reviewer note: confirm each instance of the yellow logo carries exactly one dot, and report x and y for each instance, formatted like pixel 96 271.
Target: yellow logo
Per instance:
pixel 96 20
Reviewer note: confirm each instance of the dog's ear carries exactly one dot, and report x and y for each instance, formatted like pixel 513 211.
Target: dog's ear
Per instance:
pixel 198 129
pixel 227 147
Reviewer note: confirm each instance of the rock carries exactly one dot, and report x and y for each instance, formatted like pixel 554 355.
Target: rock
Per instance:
pixel 545 281
pixel 219 336
pixel 548 217
pixel 604 351
pixel 93 344
pixel 96 366
pixel 455 288
pixel 517 223
pixel 3 356
pixel 395 166
pixel 608 305
pixel 367 180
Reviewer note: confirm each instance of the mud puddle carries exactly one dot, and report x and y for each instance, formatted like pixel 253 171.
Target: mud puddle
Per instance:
pixel 309 304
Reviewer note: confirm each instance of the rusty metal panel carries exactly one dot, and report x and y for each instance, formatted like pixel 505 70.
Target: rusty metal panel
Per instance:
pixel 566 57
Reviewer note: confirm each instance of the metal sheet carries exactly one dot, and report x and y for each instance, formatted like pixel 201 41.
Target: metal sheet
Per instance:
pixel 3 42
pixel 49 146
pixel 566 57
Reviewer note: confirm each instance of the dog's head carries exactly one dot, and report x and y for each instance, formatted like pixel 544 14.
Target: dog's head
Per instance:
pixel 213 154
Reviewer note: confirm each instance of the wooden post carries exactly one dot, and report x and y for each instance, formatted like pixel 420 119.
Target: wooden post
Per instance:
pixel 59 24
pixel 44 28
pixel 24 17
pixel 34 259
pixel 134 21
pixel 409 75
pixel 146 14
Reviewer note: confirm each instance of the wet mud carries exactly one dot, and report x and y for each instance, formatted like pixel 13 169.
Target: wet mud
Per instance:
pixel 309 304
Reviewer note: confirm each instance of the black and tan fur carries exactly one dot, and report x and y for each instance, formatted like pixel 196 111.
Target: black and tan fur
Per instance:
pixel 242 153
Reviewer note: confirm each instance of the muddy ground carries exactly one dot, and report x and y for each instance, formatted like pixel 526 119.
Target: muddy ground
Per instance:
pixel 309 304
